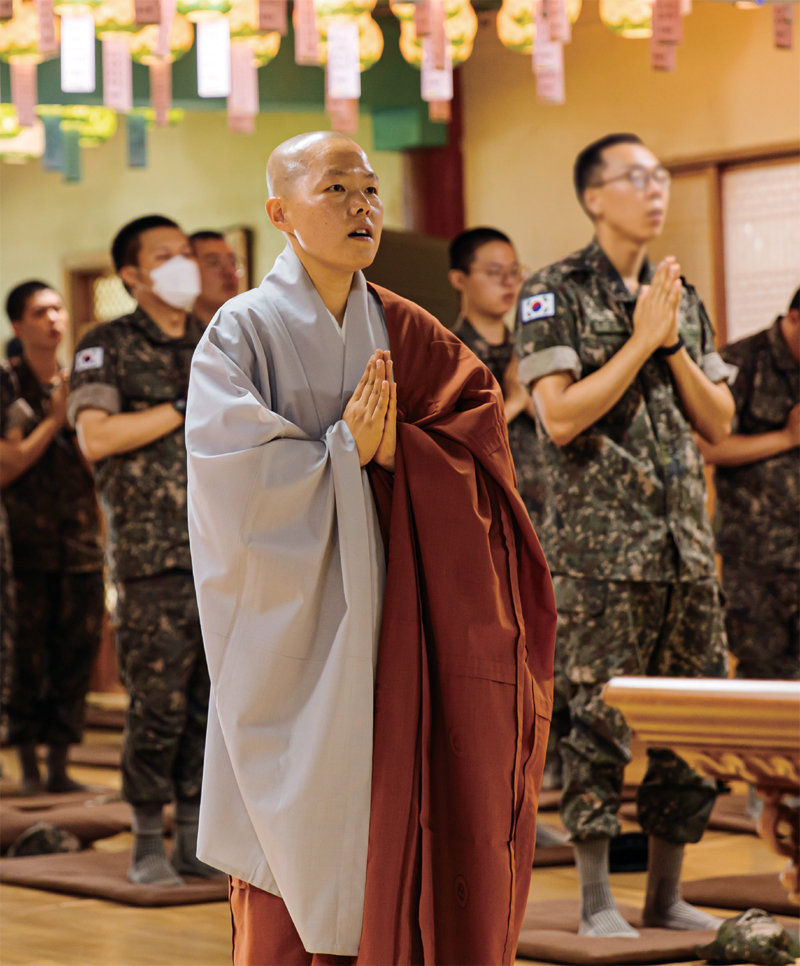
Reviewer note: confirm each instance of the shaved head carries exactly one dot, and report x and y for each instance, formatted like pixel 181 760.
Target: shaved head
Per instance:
pixel 290 160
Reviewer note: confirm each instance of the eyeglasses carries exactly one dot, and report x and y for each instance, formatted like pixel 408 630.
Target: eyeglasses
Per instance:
pixel 639 177
pixel 499 274
pixel 221 264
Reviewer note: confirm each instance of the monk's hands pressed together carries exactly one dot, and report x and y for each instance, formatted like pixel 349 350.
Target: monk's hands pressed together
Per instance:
pixel 384 455
pixel 655 318
pixel 365 413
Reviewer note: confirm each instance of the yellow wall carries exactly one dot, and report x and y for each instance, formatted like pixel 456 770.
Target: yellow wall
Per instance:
pixel 199 174
pixel 732 90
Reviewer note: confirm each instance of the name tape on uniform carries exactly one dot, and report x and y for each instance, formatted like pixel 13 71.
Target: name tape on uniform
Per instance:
pixel 538 307
pixel 89 359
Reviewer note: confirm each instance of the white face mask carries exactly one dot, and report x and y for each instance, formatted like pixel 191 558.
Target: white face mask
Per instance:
pixel 177 282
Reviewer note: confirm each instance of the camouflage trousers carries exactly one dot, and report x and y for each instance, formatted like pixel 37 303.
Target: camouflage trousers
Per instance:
pixel 611 628
pixel 59 619
pixel 762 619
pixel 163 666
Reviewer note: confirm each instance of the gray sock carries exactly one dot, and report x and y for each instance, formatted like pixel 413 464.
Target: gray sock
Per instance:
pixel 184 855
pixel 150 865
pixel 599 913
pixel 663 906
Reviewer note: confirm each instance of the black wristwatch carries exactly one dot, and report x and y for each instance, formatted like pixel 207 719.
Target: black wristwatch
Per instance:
pixel 670 350
pixel 179 405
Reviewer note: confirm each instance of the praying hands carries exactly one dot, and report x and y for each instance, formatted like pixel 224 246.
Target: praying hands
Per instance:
pixel 371 413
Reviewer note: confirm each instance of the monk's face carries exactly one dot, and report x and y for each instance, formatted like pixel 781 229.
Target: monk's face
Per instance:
pixel 332 212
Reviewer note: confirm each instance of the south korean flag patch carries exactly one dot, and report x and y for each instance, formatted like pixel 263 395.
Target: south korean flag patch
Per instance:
pixel 538 307
pixel 91 358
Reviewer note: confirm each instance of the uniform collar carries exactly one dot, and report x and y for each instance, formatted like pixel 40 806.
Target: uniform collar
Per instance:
pixel 780 350
pixel 593 259
pixel 155 333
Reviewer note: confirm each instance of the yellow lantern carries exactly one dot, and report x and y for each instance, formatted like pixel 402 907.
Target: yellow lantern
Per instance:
pixel 370 40
pixel 9 124
pixel 345 8
pixel 515 24
pixel 26 145
pixel 115 19
pixel 628 18
pixel 243 21
pixel 68 8
pixel 143 42
pixel 195 10
pixel 460 29
pixel 94 124
pixel 19 36
pixel 405 11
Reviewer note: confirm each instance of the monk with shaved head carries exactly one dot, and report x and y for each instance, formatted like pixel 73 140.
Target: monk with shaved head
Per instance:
pixel 376 610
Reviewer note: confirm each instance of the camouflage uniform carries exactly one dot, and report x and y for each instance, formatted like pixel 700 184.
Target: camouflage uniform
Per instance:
pixel 56 548
pixel 757 512
pixel 625 532
pixel 131 365
pixel 524 445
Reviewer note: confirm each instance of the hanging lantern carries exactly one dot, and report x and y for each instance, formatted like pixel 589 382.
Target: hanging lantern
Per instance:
pixel 370 39
pixel 26 145
pixel 76 8
pixel 516 27
pixel 628 18
pixel 460 28
pixel 9 124
pixel 19 36
pixel 195 10
pixel 143 42
pixel 94 124
pixel 404 10
pixel 343 8
pixel 243 20
pixel 115 19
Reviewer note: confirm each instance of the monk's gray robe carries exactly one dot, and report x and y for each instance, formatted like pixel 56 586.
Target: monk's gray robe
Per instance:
pixel 289 571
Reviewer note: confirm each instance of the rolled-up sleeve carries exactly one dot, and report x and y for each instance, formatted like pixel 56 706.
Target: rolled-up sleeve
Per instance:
pixel 547 342
pixel 93 381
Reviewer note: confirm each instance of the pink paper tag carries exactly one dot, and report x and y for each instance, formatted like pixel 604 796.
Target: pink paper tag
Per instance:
pixel 422 18
pixel 24 91
pixel 438 35
pixel 783 25
pixel 342 113
pixel 77 54
pixel 440 112
pixel 166 16
pixel 306 36
pixel 272 15
pixel 47 26
pixel 558 20
pixel 663 56
pixel 161 91
pixel 147 11
pixel 436 84
pixel 244 81
pixel 550 86
pixel 241 123
pixel 6 9
pixel 667 22
pixel 117 75
pixel 343 71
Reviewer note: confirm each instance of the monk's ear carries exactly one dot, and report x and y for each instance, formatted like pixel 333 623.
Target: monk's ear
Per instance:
pixel 457 279
pixel 276 213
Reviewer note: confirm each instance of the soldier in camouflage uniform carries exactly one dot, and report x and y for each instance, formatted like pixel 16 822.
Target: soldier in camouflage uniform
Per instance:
pixel 485 271
pixel 56 547
pixel 758 501
pixel 623 368
pixel 128 400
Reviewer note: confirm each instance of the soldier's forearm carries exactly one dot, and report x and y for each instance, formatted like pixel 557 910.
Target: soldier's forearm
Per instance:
pixel 709 405
pixel 739 450
pixel 18 456
pixel 101 434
